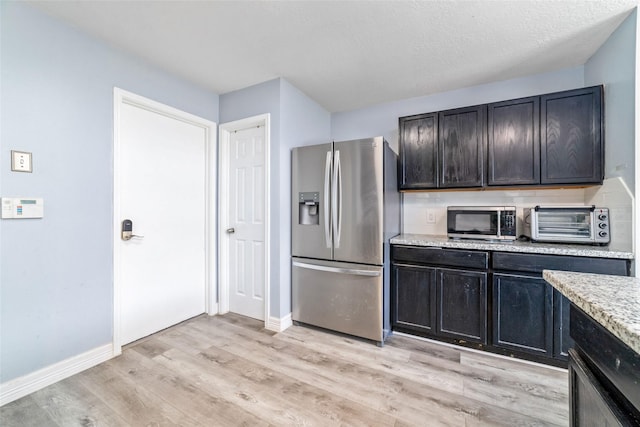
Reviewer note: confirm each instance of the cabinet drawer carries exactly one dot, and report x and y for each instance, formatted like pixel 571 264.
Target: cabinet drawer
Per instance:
pixel 534 263
pixel 441 257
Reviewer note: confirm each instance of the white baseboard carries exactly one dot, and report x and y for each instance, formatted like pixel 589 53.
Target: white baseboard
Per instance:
pixel 213 309
pixel 279 325
pixel 27 384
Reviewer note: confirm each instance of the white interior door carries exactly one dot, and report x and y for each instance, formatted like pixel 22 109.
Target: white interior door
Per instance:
pixel 247 271
pixel 162 188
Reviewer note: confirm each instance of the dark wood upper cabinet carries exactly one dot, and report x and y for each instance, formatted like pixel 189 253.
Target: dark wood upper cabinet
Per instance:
pixel 418 152
pixel 548 140
pixel 513 145
pixel 572 149
pixel 461 147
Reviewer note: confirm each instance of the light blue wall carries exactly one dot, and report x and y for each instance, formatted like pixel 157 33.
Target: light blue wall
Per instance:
pixel 614 65
pixel 295 120
pixel 248 102
pixel 56 281
pixel 304 122
pixel 252 101
pixel 383 119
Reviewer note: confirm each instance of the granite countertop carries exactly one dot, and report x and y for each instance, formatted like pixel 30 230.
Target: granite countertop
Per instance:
pixel 514 246
pixel 613 301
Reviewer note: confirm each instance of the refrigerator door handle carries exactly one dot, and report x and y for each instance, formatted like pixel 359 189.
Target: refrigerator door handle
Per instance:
pixel 327 216
pixel 337 199
pixel 356 272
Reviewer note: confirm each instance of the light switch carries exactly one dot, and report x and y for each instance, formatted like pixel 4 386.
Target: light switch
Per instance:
pixel 20 161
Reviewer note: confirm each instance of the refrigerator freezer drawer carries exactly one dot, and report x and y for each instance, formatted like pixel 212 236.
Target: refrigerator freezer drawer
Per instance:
pixel 339 296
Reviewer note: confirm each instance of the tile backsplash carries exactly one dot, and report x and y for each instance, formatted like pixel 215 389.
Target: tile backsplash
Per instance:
pixel 426 212
pixel 615 195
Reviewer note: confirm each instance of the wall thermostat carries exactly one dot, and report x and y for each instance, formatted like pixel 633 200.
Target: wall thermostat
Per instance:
pixel 22 207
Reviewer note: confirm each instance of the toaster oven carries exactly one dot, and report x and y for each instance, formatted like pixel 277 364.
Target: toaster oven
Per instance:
pixel 567 224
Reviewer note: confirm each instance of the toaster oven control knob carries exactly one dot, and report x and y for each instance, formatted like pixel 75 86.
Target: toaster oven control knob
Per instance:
pixel 602 225
pixel 602 234
pixel 602 217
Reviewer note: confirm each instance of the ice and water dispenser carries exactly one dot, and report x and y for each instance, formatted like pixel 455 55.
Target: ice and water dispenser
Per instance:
pixel 309 208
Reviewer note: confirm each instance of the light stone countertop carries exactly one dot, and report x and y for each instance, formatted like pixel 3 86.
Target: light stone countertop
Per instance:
pixel 613 301
pixel 517 246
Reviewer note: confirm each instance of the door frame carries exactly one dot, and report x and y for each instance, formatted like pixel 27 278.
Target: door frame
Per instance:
pixel 122 97
pixel 226 129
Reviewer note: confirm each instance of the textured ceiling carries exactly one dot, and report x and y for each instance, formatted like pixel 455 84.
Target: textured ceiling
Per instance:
pixel 351 54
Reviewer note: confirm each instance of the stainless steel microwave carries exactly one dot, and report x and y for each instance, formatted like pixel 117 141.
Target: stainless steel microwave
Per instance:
pixel 481 222
pixel 567 224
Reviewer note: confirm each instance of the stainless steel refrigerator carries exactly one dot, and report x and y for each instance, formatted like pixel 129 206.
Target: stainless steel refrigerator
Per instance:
pixel 345 208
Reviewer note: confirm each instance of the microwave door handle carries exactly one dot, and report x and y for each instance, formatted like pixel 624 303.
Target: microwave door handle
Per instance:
pixel 327 189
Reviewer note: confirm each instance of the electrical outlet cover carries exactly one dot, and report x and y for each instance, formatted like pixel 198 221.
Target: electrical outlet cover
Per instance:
pixel 20 161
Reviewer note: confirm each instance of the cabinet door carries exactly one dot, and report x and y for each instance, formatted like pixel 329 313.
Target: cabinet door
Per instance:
pixel 513 145
pixel 562 340
pixel 461 146
pixel 462 305
pixel 418 152
pixel 572 137
pixel 591 404
pixel 413 298
pixel 523 314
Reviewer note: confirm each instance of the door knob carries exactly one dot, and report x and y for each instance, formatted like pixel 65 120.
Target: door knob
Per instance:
pixel 127 230
pixel 231 230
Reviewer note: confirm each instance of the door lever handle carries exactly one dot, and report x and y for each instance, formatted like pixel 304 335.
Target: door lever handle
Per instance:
pixel 128 236
pixel 231 230
pixel 127 231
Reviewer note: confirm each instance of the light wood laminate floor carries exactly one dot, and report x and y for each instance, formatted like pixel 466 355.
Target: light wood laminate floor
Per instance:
pixel 229 371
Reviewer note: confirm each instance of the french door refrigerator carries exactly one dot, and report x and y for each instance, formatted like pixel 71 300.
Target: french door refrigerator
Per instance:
pixel 345 208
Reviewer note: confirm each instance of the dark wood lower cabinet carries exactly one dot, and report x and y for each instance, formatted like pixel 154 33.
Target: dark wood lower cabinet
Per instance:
pixel 590 403
pixel 441 302
pixel 604 376
pixel 414 297
pixel 522 314
pixel 522 299
pixel 495 301
pixel 462 305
